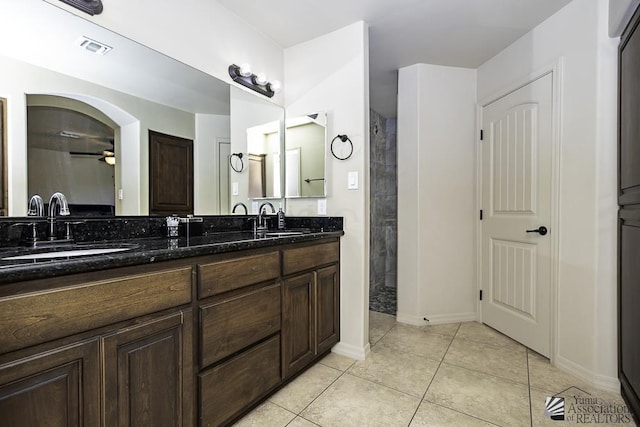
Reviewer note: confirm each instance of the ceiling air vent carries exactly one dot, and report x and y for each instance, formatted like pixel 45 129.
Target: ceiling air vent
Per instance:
pixel 93 46
pixel 92 7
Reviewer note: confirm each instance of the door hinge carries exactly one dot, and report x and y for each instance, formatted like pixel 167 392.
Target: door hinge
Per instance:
pixel 480 294
pixel 481 135
pixel 480 214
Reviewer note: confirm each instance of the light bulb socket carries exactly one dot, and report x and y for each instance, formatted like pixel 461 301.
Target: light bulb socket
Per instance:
pixel 244 70
pixel 260 79
pixel 275 86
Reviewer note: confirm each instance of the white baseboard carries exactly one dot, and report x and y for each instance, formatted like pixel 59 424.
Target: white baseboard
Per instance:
pixel 352 351
pixel 435 319
pixel 598 381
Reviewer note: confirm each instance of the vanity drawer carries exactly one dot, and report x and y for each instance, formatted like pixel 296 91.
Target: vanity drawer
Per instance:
pixel 230 387
pixel 305 258
pixel 37 317
pixel 231 325
pixel 223 276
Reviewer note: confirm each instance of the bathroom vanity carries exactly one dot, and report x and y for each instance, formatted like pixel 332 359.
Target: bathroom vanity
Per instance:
pixel 165 333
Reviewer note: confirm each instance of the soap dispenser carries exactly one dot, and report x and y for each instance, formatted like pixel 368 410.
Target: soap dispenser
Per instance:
pixel 280 218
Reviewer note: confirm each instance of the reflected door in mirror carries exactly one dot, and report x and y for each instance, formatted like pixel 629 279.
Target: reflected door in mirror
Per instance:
pixel 3 166
pixel 170 174
pixel 257 176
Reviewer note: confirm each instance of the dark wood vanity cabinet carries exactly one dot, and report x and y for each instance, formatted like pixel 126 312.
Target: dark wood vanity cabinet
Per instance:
pixel 146 369
pixel 298 318
pixel 311 304
pixel 328 308
pixel 136 372
pixel 58 387
pixel 240 322
pixel 629 215
pixel 180 343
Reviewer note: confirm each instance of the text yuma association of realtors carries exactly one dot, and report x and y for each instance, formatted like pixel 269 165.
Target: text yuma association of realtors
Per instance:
pixel 593 410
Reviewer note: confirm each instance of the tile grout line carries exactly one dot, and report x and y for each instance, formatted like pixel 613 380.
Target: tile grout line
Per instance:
pixel 487 374
pixel 323 390
pixel 434 374
pixel 511 380
pixel 464 413
pixel 529 388
pixel 384 335
pixel 298 414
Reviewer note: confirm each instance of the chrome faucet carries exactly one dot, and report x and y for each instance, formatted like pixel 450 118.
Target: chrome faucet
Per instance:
pixel 261 221
pixel 58 202
pixel 240 204
pixel 36 206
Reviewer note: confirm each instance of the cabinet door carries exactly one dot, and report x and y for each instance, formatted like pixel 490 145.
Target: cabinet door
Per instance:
pixel 328 308
pixel 146 372
pixel 298 323
pixel 55 388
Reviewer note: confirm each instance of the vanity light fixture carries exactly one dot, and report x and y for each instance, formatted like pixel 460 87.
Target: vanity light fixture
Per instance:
pixel 242 74
pixel 92 7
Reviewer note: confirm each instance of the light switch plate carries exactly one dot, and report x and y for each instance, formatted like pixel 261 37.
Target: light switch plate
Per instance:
pixel 322 206
pixel 120 194
pixel 352 180
pixel 254 207
pixel 234 189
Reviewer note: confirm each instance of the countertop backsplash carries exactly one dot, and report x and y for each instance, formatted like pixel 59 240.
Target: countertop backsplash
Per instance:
pixel 17 231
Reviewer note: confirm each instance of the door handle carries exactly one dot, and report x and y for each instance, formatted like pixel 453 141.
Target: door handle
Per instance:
pixel 542 230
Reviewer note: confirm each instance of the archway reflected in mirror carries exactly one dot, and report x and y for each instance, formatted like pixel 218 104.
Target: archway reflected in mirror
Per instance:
pixel 71 149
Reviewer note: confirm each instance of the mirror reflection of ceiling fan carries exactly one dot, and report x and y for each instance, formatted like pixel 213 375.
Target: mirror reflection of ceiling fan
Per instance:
pixel 66 130
pixel 108 155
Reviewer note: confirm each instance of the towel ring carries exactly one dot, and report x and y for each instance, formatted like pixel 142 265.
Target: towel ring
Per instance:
pixel 342 138
pixel 235 166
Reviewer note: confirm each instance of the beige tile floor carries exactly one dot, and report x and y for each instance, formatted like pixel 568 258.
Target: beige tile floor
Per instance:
pixel 463 374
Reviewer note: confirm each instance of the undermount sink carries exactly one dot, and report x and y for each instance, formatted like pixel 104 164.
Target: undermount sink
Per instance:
pixel 69 251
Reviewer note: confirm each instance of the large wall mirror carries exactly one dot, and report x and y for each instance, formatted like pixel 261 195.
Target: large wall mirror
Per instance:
pixel 46 70
pixel 257 131
pixel 305 155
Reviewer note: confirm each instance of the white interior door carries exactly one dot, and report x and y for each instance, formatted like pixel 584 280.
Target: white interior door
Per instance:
pixel 516 199
pixel 292 175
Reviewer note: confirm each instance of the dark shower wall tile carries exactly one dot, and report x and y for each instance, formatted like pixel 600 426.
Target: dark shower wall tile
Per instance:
pixel 384 213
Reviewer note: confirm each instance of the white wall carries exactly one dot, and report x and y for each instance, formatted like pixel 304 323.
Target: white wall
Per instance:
pixel 200 33
pixel 586 329
pixel 620 12
pixel 330 73
pixel 436 194
pixel 210 129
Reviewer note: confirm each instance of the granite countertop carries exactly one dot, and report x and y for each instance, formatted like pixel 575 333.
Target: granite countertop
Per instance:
pixel 140 251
